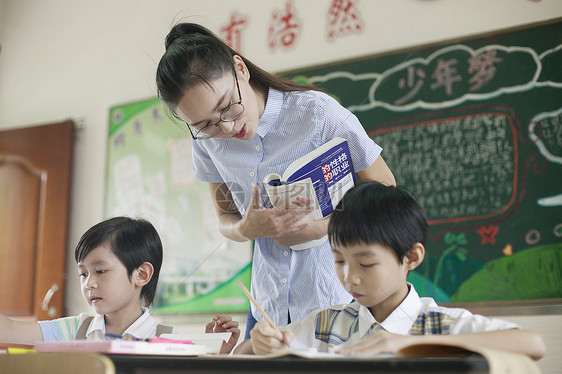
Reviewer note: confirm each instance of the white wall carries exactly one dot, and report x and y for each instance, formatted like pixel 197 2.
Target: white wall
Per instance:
pixel 78 58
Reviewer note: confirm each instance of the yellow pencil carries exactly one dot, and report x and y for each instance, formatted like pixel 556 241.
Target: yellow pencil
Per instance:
pixel 18 350
pixel 257 305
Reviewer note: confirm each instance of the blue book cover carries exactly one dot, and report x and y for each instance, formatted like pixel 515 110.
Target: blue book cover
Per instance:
pixel 322 176
pixel 331 173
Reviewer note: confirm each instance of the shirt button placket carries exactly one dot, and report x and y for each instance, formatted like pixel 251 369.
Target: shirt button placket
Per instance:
pixel 253 173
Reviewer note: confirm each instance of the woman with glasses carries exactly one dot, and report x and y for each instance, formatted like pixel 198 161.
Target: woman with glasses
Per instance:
pixel 245 124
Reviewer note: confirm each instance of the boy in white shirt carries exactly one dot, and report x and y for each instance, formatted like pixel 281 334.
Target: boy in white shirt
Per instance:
pixel 378 234
pixel 119 264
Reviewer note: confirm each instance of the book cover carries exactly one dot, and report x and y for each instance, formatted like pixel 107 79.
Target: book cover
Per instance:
pixel 322 176
pixel 122 347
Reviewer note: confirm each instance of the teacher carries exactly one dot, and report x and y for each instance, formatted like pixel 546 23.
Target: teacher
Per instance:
pixel 247 123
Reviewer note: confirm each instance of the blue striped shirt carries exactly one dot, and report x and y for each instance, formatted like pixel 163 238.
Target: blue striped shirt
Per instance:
pixel 293 124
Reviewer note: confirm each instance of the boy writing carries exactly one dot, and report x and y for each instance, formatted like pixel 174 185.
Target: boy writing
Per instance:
pixel 378 234
pixel 119 263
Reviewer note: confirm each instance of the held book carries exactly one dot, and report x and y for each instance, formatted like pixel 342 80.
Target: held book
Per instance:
pixel 122 347
pixel 322 176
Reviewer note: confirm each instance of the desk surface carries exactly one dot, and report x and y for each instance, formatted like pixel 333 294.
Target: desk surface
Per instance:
pixel 470 363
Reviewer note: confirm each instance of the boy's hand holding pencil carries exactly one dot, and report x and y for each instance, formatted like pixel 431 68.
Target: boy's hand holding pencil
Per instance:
pixel 265 336
pixel 266 339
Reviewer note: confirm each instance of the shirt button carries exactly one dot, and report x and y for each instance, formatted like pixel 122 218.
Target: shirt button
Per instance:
pixel 257 148
pixel 252 174
pixel 285 253
pixel 283 280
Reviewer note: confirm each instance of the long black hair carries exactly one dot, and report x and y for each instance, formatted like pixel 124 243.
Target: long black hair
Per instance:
pixel 374 213
pixel 194 54
pixel 133 241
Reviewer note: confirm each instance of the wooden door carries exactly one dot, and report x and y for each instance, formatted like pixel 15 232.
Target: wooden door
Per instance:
pixel 35 182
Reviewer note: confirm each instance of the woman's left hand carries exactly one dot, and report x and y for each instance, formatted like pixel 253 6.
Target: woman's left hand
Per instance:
pixel 314 230
pixel 221 323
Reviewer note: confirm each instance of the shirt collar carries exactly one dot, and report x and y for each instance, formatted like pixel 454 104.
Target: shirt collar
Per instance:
pixel 271 112
pixel 366 320
pixel 97 324
pixel 399 321
pixel 142 328
pixel 403 317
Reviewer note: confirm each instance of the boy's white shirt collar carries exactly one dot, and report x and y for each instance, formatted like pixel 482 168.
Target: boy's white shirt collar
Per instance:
pixel 408 310
pixel 142 328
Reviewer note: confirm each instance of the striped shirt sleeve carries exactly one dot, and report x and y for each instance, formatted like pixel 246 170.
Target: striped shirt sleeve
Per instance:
pixel 60 329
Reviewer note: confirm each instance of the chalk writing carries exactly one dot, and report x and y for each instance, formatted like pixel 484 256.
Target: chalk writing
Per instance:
pixel 416 78
pixel 456 167
pixel 445 75
pixel 483 67
pixel 551 133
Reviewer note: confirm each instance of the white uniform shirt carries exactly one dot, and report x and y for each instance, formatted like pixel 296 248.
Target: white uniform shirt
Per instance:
pixel 340 326
pixel 66 328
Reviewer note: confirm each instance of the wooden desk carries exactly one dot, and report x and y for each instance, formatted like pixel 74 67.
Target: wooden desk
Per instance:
pixel 94 363
pixel 470 363
pixel 60 363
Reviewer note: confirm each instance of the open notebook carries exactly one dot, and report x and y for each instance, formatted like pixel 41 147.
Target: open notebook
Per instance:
pixel 499 362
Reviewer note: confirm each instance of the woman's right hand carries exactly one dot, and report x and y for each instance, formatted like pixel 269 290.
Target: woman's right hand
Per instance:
pixel 260 222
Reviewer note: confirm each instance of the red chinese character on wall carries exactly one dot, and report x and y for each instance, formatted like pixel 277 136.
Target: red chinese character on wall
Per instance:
pixel 284 28
pixel 343 19
pixel 232 32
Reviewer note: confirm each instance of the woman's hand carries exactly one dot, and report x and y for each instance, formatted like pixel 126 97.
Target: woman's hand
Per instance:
pixel 277 222
pixel 221 323
pixel 314 230
pixel 266 339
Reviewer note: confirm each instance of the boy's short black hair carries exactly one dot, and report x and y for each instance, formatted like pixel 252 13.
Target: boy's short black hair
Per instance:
pixel 374 213
pixel 133 241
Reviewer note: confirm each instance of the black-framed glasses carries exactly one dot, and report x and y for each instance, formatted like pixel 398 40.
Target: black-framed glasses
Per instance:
pixel 230 113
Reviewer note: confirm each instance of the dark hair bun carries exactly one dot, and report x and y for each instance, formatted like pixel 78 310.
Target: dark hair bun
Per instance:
pixel 170 38
pixel 183 29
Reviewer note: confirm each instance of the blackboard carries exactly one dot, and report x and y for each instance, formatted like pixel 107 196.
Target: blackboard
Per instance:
pixel 473 128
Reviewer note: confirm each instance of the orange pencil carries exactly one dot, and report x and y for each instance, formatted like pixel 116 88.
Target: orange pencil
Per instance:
pixel 257 305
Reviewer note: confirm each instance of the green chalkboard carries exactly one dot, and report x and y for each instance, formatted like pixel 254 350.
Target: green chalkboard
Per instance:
pixel 473 128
